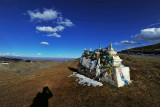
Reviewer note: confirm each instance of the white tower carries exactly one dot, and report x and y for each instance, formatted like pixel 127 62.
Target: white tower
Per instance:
pixel 99 46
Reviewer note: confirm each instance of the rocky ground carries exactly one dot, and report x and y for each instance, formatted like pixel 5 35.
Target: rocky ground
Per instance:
pixel 26 89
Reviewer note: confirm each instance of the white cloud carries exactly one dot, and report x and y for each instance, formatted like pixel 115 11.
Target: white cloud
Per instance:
pixel 44 43
pixel 9 54
pixel 54 35
pixel 151 35
pixel 50 14
pixel 60 28
pixel 4 54
pixel 46 29
pixel 46 15
pixel 17 55
pixel 126 42
pixel 39 54
pixel 65 22
pixel 50 29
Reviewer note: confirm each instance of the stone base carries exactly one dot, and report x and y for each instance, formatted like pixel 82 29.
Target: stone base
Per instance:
pixel 114 78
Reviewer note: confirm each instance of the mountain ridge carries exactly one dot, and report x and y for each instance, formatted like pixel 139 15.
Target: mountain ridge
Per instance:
pixel 149 49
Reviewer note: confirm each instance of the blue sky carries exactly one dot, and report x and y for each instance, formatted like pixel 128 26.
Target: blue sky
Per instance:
pixel 63 28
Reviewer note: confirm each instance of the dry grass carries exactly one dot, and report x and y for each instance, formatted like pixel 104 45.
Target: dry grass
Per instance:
pixel 21 65
pixel 20 89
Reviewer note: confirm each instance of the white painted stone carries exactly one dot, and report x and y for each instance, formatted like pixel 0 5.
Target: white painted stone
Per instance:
pixel 118 82
pixel 126 74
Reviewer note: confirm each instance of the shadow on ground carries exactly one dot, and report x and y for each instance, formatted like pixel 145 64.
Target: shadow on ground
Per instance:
pixel 73 69
pixel 41 99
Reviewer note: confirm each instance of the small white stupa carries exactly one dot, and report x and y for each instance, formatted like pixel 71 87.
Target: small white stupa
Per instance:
pixel 111 51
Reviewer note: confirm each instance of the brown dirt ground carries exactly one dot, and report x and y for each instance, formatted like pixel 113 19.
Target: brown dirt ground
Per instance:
pixel 19 90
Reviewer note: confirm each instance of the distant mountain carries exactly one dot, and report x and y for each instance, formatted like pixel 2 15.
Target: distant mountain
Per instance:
pixel 150 49
pixel 18 58
pixel 10 59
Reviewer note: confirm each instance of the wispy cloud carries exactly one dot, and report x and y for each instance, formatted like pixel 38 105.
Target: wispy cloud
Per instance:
pixel 4 54
pixel 126 42
pixel 50 29
pixel 45 15
pixel 54 35
pixel 44 43
pixel 65 21
pixel 9 54
pixel 65 56
pixel 154 24
pixel 129 47
pixel 39 54
pixel 151 35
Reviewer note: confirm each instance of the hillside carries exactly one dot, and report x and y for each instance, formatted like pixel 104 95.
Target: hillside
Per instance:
pixel 21 65
pixel 150 49
pixel 26 88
